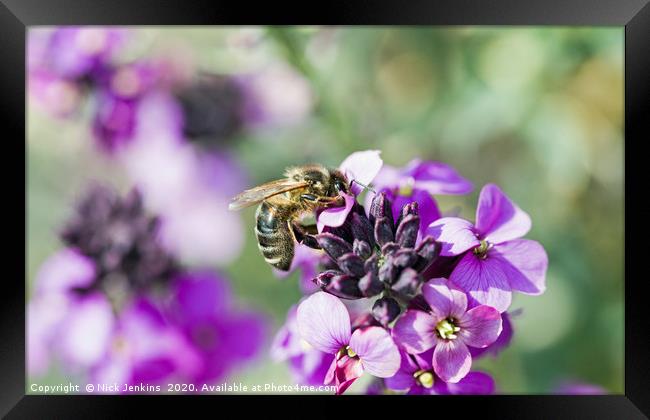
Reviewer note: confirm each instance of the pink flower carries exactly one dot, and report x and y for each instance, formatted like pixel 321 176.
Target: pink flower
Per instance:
pixel 449 327
pixel 361 167
pixel 324 322
pixel 494 262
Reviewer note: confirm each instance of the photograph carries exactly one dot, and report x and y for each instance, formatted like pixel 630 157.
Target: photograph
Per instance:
pixel 325 210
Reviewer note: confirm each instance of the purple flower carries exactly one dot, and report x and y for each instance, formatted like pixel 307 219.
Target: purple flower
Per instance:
pixel 307 365
pixel 418 181
pixel 324 322
pixel 361 167
pixel 416 376
pixel 65 62
pixel 449 327
pixel 494 262
pixel 223 336
pixel 275 96
pixel 144 348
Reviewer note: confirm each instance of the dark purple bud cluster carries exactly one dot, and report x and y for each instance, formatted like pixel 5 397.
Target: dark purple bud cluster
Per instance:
pixel 212 109
pixel 374 254
pixel 120 237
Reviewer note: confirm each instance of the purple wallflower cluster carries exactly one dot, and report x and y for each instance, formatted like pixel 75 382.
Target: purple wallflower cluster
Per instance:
pixel 114 306
pixel 434 291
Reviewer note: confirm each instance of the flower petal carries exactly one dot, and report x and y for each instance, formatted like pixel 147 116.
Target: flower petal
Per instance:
pixel 475 383
pixel 377 351
pixel 483 280
pixel 362 167
pixel 437 178
pixel 498 219
pixel 524 262
pixel 347 371
pixel 451 360
pixel 335 216
pixel 403 379
pixel 415 331
pixel 480 326
pixel 445 299
pixel 456 235
pixel 64 271
pixel 324 322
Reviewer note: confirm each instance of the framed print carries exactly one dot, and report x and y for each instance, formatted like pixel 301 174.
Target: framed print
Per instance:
pixel 429 203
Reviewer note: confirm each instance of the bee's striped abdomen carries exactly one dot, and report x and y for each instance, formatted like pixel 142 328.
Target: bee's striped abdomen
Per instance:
pixel 273 237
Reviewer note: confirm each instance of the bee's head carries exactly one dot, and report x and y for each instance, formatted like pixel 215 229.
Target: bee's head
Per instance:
pixel 339 184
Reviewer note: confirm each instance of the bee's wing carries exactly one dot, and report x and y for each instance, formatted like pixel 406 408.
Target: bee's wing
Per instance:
pixel 264 191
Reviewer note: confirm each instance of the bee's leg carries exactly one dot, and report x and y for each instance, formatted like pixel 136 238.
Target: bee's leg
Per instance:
pixel 337 201
pixel 303 234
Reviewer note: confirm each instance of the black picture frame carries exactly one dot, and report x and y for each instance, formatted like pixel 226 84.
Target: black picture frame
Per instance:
pixel 634 15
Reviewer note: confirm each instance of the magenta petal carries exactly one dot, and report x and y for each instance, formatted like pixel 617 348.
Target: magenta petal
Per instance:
pixel 484 280
pixel 445 299
pixel 475 383
pixel 480 326
pixel 524 262
pixel 437 178
pixel 324 322
pixel 403 379
pixel 451 360
pixel 415 331
pixel 377 351
pixel 456 235
pixel 347 371
pixel 65 270
pixel 335 216
pixel 362 167
pixel 498 219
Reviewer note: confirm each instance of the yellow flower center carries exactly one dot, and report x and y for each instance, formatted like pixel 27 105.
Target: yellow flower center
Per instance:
pixel 406 189
pixel 446 329
pixel 424 378
pixel 346 351
pixel 482 249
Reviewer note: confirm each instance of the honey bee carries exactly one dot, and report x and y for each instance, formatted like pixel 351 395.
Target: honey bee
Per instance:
pixel 283 202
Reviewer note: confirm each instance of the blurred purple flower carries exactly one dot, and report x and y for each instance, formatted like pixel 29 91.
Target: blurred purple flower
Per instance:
pixel 144 348
pixel 223 336
pixel 449 327
pixel 579 388
pixel 417 376
pixel 188 188
pixel 64 62
pixel 418 181
pixel 307 260
pixel 324 322
pixel 308 366
pixel 275 96
pixel 494 262
pixel 120 238
pixel 361 167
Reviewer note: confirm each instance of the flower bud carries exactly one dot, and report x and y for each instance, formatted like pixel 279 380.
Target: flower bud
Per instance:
pixel 383 231
pixel 388 271
pixel 370 285
pixel 351 264
pixel 407 283
pixel 333 245
pixel 389 248
pixel 381 207
pixel 405 258
pixel 362 249
pixel 343 286
pixel 428 250
pixel 407 209
pixel 385 310
pixel 407 231
pixel 362 229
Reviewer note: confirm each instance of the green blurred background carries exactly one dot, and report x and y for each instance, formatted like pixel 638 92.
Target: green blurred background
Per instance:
pixel 539 111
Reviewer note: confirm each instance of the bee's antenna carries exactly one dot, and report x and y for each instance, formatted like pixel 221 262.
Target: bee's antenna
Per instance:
pixel 363 185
